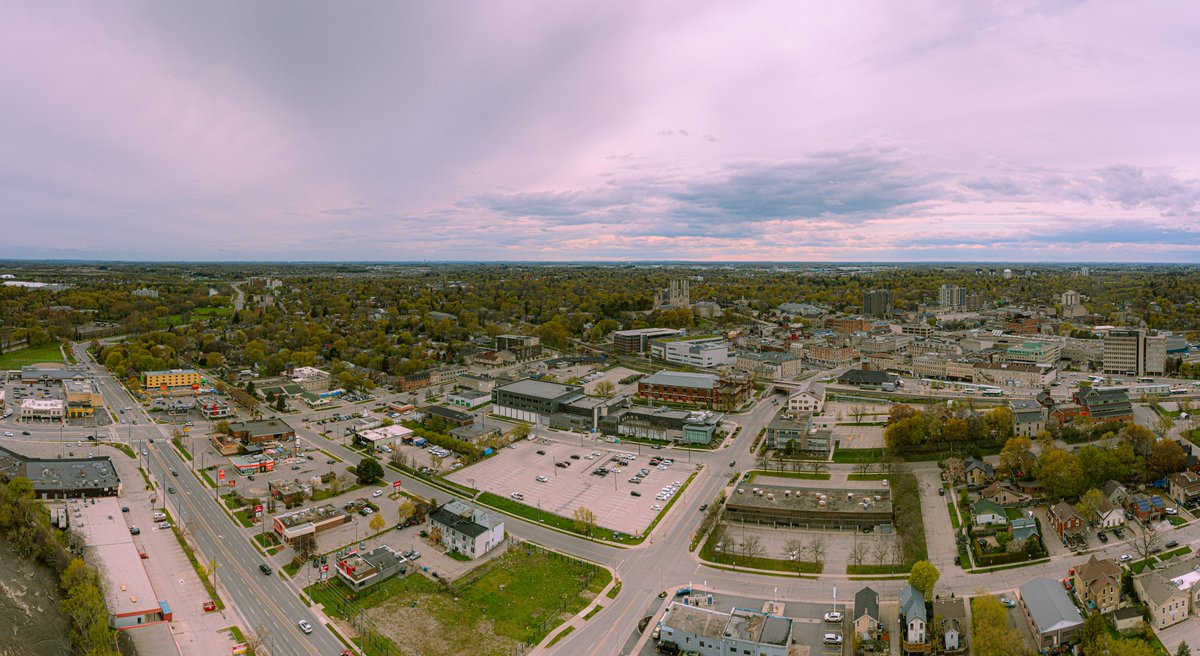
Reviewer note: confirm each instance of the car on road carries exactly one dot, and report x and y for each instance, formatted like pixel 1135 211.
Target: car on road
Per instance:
pixel 377 493
pixel 304 626
pixel 1171 544
pixel 733 463
pixel 8 433
pixel 124 509
pixel 1126 558
pixel 833 616
pixel 264 568
pixel 703 507
pixel 1008 603
pixel 331 461
pixel 174 473
pixel 133 530
pixel 541 452
pixel 518 496
pixel 365 510
pixel 144 452
pixel 170 490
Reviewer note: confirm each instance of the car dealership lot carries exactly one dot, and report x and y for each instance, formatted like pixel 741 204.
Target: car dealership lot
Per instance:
pixel 516 471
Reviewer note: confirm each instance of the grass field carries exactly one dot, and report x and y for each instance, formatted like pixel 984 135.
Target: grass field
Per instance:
pixel 520 597
pixel 31 355
pixel 858 455
pixel 819 476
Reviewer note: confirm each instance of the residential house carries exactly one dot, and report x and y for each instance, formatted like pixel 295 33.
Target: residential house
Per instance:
pixel 1023 528
pixel 467 529
pixel 1115 492
pixel 1169 592
pixel 1109 515
pixel 1065 520
pixel 867 620
pixel 1146 507
pixel 953 612
pixel 810 401
pixel 1098 584
pixel 988 513
pixel 1184 486
pixel 913 619
pixel 1029 417
pixel 978 472
pixel 1052 618
pixel 1005 494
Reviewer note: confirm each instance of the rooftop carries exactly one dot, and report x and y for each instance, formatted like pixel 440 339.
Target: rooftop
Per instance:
pixel 681 379
pixel 540 389
pixel 811 498
pixel 261 427
pixel 1049 605
pixel 112 550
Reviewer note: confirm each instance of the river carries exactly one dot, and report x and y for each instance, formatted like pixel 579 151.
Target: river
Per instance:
pixel 30 621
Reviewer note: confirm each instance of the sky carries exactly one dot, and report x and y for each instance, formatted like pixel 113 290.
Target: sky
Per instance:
pixel 620 130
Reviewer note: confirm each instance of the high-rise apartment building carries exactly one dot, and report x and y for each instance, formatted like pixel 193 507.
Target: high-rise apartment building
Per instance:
pixel 877 303
pixel 1125 352
pixel 952 296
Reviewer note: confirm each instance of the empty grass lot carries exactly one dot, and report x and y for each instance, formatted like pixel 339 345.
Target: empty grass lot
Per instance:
pixel 520 597
pixel 31 355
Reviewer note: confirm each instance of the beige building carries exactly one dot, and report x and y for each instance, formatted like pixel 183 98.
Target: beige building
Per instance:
pixel 1124 352
pixel 1014 374
pixel 1169 593
pixel 1098 584
pixel 82 398
pixel 44 410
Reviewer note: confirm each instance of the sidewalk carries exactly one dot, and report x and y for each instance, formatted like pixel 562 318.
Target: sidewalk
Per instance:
pixel 577 621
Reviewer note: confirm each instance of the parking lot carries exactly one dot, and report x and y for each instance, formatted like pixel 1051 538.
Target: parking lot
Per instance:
pixel 564 489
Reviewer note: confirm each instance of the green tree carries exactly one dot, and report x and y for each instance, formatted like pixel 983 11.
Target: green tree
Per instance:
pixel 923 576
pixel 1089 504
pixel 1094 629
pixel 368 471
pixel 1015 457
pixel 1183 649
pixel 1166 457
pixel 994 635
pixel 605 389
pixel 1061 474
pixel 585 520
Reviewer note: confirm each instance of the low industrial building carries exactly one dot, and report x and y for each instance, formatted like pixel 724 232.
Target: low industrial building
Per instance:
pixel 53 372
pixel 383 436
pixel 42 410
pixel 363 570
pixel 309 521
pixel 263 430
pixel 554 404
pixel 467 529
pixel 469 398
pixel 704 352
pixel 713 633
pixel 810 507
pixel 666 424
pixel 129 595
pixel 871 380
pixel 1052 618
pixel 475 433
pixel 63 478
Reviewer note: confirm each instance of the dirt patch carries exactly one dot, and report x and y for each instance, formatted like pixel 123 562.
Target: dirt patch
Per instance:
pixel 413 630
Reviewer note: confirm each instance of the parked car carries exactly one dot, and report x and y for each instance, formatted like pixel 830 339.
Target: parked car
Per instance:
pixel 542 479
pixel 541 452
pixel 377 493
pixel 1171 544
pixel 1126 558
pixel 1008 603
pixel 634 493
pixel 1172 511
pixel 133 530
pixel 832 639
pixel 833 616
pixel 1102 537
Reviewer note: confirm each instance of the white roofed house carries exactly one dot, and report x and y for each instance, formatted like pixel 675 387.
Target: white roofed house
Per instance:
pixel 467 529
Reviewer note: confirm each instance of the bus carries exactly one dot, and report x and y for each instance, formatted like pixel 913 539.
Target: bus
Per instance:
pixel 992 391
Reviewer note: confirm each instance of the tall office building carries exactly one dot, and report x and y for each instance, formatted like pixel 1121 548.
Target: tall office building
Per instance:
pixel 952 296
pixel 1125 352
pixel 877 303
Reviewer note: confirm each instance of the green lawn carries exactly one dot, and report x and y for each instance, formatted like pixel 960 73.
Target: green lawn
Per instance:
pixel 953 515
pixel 30 355
pixel 520 597
pixel 867 477
pixel 819 476
pixel 852 456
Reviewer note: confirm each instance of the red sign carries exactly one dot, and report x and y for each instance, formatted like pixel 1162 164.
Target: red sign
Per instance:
pixel 232 483
pixel 258 508
pixel 324 568
pixel 220 474
pixel 395 484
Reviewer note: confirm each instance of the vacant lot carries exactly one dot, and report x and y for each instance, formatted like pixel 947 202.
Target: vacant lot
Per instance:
pixel 518 598
pixel 32 355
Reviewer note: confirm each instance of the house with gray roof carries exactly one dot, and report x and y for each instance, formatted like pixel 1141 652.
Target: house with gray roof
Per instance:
pixel 467 529
pixel 1052 618
pixel 1023 528
pixel 867 620
pixel 913 618
pixel 1169 592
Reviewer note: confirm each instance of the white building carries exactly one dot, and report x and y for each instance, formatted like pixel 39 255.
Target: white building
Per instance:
pixel 311 379
pixel 810 401
pixel 704 352
pixel 42 410
pixel 712 633
pixel 467 529
pixel 384 435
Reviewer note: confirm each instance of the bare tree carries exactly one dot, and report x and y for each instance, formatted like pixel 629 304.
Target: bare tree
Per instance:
pixel 955 471
pixel 256 640
pixel 897 551
pixel 752 547
pixel 858 411
pixel 1145 543
pixel 816 466
pixel 858 552
pixel 862 468
pixel 817 548
pixel 879 550
pixel 792 548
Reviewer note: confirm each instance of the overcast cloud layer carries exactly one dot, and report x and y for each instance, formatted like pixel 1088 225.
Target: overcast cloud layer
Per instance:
pixel 1051 131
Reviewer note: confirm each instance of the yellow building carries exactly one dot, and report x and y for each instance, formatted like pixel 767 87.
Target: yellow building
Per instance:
pixel 82 398
pixel 170 379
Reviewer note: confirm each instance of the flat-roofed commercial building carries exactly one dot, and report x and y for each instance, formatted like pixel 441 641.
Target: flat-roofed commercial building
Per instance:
pixel 1034 352
pixel 1014 374
pixel 63 478
pixel 771 365
pixel 636 342
pixel 703 352
pixel 532 400
pixel 810 507
pixel 683 426
pixel 42 410
pixel 310 379
pixel 1125 352
pixel 129 595
pixel 366 569
pixel 82 398
pixel 52 372
pixel 213 407
pixel 712 633
pixel 383 436
pixel 263 430
pixel 309 521
pixel 170 379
